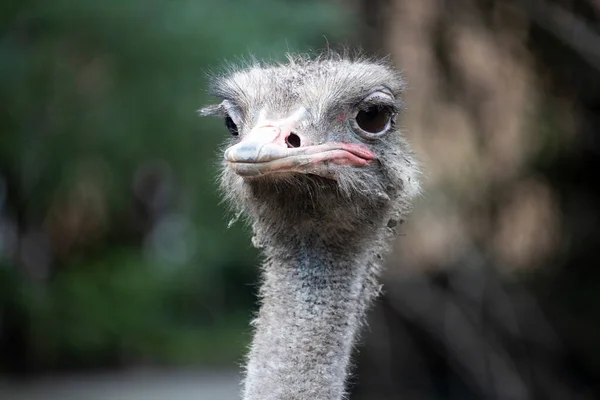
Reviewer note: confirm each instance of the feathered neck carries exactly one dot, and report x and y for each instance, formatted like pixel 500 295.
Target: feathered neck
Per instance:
pixel 314 298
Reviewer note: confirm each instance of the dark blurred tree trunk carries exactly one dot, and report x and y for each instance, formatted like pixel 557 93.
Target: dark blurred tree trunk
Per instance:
pixel 428 335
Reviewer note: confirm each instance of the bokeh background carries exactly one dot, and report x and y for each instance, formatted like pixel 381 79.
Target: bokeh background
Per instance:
pixel 117 256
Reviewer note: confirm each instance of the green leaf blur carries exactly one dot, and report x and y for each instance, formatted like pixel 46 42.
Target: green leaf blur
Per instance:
pixel 111 174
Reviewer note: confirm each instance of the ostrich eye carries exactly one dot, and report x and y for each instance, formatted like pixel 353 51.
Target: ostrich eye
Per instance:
pixel 373 120
pixel 231 126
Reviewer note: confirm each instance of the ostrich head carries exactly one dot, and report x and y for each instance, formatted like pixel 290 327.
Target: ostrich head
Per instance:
pixel 317 162
pixel 315 144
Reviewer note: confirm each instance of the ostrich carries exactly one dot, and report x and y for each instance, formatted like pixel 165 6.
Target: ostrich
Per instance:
pixel 316 162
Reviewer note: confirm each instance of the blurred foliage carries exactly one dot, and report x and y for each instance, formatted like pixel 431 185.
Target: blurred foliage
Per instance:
pixel 113 245
pixel 493 289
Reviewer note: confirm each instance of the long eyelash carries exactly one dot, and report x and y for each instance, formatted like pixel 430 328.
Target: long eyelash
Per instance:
pixel 232 109
pixel 391 106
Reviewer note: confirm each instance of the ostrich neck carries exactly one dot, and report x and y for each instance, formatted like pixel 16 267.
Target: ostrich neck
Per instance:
pixel 314 298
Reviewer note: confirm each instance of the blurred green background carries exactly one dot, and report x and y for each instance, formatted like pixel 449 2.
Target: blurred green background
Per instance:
pixel 114 248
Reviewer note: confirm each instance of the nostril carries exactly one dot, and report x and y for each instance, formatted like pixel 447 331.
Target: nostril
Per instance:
pixel 293 140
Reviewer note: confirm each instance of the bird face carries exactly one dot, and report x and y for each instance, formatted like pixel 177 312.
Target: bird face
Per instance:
pixel 314 126
pixel 278 146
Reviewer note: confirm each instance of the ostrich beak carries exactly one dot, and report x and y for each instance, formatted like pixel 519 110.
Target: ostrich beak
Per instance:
pixel 275 148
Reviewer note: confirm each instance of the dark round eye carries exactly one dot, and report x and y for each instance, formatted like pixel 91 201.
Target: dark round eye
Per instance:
pixel 374 119
pixel 231 126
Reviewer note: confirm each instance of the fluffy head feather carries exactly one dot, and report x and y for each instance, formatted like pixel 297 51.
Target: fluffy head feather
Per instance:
pixel 330 88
